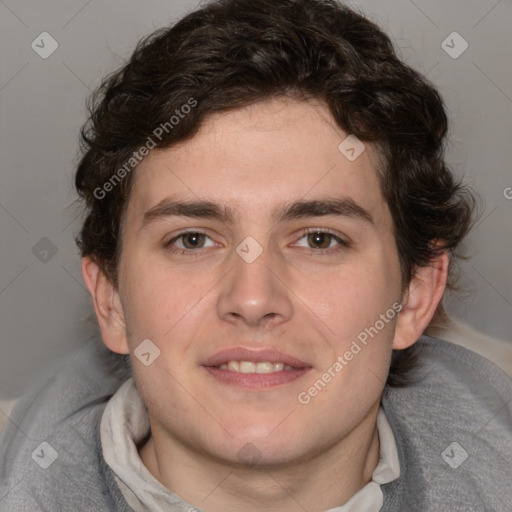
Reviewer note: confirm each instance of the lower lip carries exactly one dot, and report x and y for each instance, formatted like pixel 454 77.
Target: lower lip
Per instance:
pixel 256 381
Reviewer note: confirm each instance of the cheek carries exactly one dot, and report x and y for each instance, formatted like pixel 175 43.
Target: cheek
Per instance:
pixel 158 298
pixel 352 297
pixel 167 402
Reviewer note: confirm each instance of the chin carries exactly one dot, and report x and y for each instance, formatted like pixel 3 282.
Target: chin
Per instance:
pixel 261 445
pixel 259 428
pixel 252 454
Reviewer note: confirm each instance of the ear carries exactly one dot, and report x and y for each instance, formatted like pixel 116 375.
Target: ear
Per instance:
pixel 107 306
pixel 420 301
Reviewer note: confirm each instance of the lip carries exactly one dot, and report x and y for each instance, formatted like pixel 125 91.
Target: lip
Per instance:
pixel 255 381
pixel 245 354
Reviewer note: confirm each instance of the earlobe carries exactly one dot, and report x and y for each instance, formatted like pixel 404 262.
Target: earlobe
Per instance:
pixel 420 301
pixel 107 306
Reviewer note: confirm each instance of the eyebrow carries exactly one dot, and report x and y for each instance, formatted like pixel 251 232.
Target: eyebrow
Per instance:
pixel 341 207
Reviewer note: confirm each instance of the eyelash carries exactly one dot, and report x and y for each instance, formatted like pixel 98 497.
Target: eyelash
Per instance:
pixel 342 244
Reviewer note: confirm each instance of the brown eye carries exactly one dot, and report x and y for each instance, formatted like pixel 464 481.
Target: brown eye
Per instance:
pixel 190 242
pixel 193 240
pixel 320 240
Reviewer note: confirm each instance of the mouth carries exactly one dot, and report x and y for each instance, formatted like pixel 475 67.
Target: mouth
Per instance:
pixel 255 367
pixel 256 370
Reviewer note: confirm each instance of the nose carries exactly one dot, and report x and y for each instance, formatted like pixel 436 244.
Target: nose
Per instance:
pixel 254 293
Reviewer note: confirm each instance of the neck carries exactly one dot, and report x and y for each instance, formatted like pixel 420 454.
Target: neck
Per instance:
pixel 316 483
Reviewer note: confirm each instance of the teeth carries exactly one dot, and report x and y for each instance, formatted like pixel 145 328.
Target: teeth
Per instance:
pixel 234 366
pixel 247 367
pixel 251 367
pixel 264 367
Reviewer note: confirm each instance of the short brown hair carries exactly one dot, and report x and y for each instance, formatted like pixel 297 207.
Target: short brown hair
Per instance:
pixel 233 53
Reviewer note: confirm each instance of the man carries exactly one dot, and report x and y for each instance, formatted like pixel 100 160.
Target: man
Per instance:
pixel 269 230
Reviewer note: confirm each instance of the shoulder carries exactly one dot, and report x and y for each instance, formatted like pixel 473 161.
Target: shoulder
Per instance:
pixel 50 450
pixel 453 426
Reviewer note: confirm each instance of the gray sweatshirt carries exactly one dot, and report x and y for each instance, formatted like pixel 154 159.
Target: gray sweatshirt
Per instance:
pixel 452 425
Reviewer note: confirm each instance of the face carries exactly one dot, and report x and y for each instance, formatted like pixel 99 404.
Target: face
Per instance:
pixel 254 256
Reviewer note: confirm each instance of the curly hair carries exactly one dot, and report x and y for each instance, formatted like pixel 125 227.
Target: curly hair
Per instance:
pixel 233 53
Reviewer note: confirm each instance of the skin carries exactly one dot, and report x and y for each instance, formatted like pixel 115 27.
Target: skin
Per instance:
pixel 305 300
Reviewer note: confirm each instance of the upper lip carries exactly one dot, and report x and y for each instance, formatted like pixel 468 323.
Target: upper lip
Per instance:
pixel 245 354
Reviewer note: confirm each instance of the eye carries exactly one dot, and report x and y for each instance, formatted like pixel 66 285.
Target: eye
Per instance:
pixel 189 241
pixel 316 239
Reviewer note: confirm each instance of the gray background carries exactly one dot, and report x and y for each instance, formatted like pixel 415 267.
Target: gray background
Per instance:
pixel 44 305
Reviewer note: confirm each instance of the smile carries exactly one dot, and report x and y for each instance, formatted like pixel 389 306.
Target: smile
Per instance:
pixel 254 370
pixel 254 367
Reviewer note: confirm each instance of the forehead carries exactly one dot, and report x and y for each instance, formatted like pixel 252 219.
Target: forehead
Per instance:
pixel 256 158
